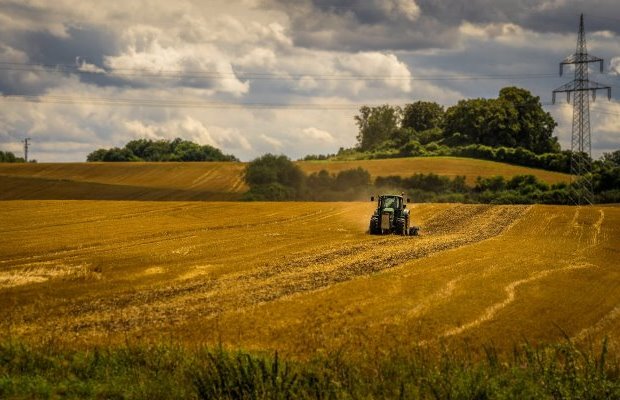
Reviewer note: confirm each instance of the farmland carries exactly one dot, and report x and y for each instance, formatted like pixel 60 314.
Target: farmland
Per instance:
pixel 305 277
pixel 120 280
pixel 210 181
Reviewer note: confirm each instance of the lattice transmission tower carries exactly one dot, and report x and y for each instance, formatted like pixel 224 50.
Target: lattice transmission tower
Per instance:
pixel 581 87
pixel 26 146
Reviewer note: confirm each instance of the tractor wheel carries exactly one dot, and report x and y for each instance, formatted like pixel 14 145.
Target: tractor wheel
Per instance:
pixel 403 230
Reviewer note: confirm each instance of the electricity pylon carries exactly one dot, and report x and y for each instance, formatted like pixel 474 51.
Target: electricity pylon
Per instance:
pixel 581 147
pixel 26 145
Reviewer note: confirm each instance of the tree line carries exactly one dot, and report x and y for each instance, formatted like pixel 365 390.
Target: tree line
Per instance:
pixel 277 178
pixel 160 150
pixel 511 128
pixel 9 157
pixel 514 119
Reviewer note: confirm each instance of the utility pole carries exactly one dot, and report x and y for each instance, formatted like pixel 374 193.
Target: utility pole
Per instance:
pixel 581 87
pixel 26 144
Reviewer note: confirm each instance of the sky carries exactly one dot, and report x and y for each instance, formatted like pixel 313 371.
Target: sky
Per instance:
pixel 285 77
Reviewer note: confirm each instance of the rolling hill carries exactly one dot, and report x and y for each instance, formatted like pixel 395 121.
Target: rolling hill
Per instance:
pixel 210 180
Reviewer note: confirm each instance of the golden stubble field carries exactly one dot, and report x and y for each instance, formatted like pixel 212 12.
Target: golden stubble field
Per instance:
pixel 302 277
pixel 221 181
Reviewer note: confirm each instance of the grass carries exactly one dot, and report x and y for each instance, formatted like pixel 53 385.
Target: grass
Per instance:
pixel 158 371
pixel 212 180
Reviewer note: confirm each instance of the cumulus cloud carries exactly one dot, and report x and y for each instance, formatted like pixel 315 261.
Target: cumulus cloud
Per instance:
pixel 395 73
pixel 191 129
pixel 614 66
pixel 315 134
pixel 275 144
pixel 424 24
pixel 116 59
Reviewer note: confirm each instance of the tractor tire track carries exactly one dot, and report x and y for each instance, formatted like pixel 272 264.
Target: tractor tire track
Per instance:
pixel 114 245
pixel 208 297
pixel 490 312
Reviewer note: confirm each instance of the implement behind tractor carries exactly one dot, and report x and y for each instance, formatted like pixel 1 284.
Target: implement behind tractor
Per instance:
pixel 391 216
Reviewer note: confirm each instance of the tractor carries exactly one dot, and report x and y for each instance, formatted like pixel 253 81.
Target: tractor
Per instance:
pixel 391 216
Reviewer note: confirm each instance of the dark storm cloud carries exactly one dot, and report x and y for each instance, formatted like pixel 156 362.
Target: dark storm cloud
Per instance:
pixel 351 25
pixel 355 25
pixel 52 58
pixel 89 44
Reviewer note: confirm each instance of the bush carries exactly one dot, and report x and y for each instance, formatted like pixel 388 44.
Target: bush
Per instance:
pixel 520 189
pixel 272 177
pixel 160 150
pixel 352 178
pixel 270 192
pixel 8 157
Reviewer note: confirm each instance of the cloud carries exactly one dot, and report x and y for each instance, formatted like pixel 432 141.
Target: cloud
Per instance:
pixel 84 66
pixel 315 134
pixel 188 128
pixel 614 66
pixel 425 24
pixel 325 53
pixel 149 58
pixel 395 73
pixel 274 143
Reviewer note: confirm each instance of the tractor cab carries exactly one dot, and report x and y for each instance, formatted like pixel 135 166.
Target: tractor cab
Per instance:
pixel 391 215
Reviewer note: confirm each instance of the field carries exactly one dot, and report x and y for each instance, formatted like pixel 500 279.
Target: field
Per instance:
pixel 209 181
pixel 446 166
pixel 305 277
pixel 121 281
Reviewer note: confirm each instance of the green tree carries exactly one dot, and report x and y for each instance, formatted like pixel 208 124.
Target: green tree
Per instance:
pixel 9 157
pixel 118 155
pixel 376 125
pixel 274 174
pixel 515 119
pixel 352 178
pixel 490 122
pixel 612 158
pixel 423 115
pixel 161 150
pixel 536 126
pixel 97 155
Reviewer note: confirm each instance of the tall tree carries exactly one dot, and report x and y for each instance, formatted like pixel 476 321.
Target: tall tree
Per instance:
pixel 8 157
pixel 535 125
pixel 422 115
pixel 515 119
pixel 481 121
pixel 161 150
pixel 376 125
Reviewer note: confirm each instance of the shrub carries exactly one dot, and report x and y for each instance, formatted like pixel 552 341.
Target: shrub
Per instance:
pixel 272 177
pixel 160 150
pixel 8 157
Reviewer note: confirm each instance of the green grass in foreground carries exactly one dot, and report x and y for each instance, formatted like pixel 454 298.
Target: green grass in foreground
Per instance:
pixel 168 371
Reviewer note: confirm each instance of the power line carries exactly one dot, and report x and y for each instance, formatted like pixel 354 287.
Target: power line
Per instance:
pixel 177 103
pixel 116 101
pixel 217 75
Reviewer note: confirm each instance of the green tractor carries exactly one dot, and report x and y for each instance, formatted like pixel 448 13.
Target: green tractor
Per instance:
pixel 391 216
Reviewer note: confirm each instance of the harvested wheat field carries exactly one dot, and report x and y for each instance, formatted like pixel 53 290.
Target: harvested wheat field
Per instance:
pixel 445 166
pixel 211 180
pixel 298 277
